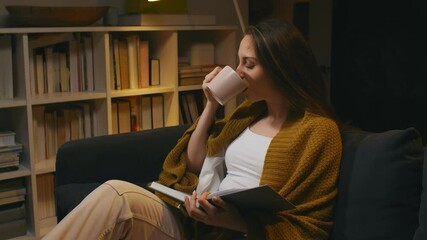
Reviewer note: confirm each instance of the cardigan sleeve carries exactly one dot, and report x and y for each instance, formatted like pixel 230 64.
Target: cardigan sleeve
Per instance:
pixel 311 162
pixel 174 172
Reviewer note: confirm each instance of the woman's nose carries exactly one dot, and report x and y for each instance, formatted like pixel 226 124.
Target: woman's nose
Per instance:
pixel 238 71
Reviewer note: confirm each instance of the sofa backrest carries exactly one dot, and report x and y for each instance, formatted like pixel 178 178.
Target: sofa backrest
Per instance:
pixel 379 185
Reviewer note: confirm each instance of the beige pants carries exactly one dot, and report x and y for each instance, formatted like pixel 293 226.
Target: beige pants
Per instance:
pixel 119 210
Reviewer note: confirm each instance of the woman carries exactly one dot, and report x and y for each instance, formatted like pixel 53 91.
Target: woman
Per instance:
pixel 295 148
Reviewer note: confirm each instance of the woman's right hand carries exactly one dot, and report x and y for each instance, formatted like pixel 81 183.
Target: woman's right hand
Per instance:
pixel 197 145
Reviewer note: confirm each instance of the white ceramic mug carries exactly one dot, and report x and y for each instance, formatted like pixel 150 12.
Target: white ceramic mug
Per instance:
pixel 226 85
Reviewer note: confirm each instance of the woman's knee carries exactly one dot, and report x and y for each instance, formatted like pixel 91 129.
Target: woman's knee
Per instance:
pixel 122 187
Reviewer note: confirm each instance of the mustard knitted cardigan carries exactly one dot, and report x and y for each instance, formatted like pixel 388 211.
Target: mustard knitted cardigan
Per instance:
pixel 302 164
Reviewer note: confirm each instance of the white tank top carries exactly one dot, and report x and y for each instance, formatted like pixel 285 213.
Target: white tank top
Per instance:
pixel 244 159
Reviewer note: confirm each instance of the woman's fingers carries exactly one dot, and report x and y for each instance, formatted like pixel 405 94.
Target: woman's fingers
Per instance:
pixel 220 203
pixel 205 204
pixel 212 74
pixel 209 78
pixel 191 205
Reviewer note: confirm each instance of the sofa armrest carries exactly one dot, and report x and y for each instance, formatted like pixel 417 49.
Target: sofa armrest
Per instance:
pixel 135 157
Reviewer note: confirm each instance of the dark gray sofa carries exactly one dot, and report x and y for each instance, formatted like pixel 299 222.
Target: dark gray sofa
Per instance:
pixel 380 186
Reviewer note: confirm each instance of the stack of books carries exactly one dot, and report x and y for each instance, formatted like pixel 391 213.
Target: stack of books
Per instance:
pixel 12 208
pixel 193 74
pixel 10 151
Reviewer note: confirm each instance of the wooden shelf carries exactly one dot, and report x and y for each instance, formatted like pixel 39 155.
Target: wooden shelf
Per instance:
pixel 12 103
pixel 21 172
pixel 26 114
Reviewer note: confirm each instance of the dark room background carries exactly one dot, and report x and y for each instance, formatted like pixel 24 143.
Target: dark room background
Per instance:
pixel 378 69
pixel 379 63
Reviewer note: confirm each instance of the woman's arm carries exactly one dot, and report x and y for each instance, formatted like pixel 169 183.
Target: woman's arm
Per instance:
pixel 197 145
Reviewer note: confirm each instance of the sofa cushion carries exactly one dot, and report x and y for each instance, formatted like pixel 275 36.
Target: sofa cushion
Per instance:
pixel 379 185
pixel 421 233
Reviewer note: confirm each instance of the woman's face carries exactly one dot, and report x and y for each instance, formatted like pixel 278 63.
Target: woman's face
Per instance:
pixel 250 70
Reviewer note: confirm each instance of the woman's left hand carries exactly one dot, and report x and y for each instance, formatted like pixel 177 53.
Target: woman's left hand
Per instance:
pixel 219 213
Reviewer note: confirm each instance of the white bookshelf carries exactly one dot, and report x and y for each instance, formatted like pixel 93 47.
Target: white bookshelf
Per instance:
pixel 17 114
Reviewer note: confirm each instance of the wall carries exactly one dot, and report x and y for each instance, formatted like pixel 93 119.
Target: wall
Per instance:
pixel 379 63
pixel 320 32
pixel 223 9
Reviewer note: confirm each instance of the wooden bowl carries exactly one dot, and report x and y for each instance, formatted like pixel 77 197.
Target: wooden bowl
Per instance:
pixel 44 16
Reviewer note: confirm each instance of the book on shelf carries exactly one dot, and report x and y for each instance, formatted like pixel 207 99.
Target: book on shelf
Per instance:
pixel 12 213
pixel 122 115
pixel 11 183
pixel 135 104
pixel 75 65
pixel 77 120
pixel 157 111
pixel 146 119
pixel 7 138
pixel 191 104
pixel 9 157
pixel 6 69
pixel 88 63
pixel 191 81
pixel 39 73
pixel 193 74
pixel 259 198
pixel 88 120
pixel 17 147
pixel 61 128
pixel 132 49
pixel 144 63
pixel 124 64
pixel 64 72
pixel 184 109
pixel 12 191
pixel 49 66
pixel 12 199
pixel 116 63
pixel 13 229
pixel 166 19
pixel 82 50
pixel 188 68
pixel 12 220
pixel 154 72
